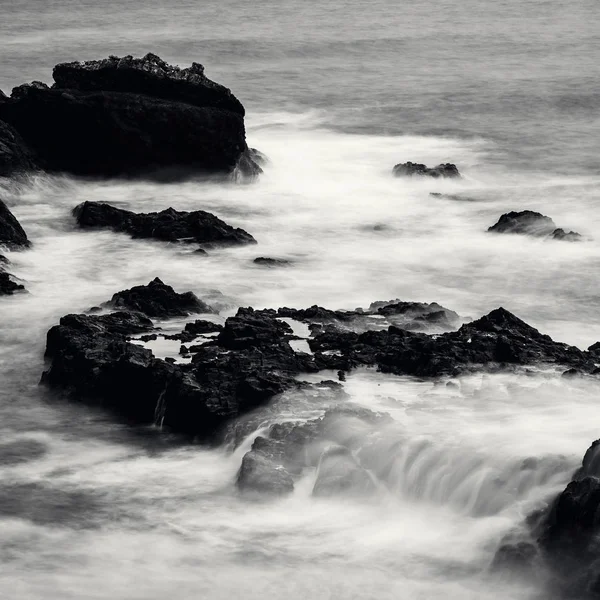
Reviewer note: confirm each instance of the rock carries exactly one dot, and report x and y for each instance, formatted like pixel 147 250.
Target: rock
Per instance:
pixel 408 169
pixel 271 262
pixel 416 315
pixel 497 340
pixel 148 76
pixel 339 473
pixel 12 234
pixel 170 225
pixel 129 116
pixel 262 469
pixel 7 284
pixel 528 222
pixel 15 156
pixel 92 359
pixel 157 300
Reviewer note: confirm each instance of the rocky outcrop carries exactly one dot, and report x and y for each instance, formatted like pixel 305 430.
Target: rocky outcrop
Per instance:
pixel 244 367
pixel 15 155
pixel 250 360
pixel 157 300
pixel 563 537
pixel 410 169
pixel 8 286
pixel 12 235
pixel 170 225
pixel 498 340
pixel 129 116
pixel 528 222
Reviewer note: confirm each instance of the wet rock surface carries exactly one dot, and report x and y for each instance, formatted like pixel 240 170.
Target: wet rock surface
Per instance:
pixel 250 360
pixel 410 169
pixel 170 225
pixel 563 536
pixel 158 300
pixel 12 235
pixel 528 222
pixel 129 116
pixel 264 261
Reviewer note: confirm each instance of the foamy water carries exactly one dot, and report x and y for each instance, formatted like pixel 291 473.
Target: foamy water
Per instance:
pixel 96 510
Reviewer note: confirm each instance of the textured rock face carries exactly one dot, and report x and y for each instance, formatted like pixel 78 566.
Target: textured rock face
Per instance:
pixel 12 235
pixel 130 116
pixel 409 169
pixel 148 76
pixel 15 156
pixel 528 222
pixel 170 225
pixel 158 300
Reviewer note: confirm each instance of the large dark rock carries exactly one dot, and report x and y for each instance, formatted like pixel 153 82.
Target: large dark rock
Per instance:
pixel 12 235
pixel 158 300
pixel 93 359
pixel 495 341
pixel 15 156
pixel 169 225
pixel 131 116
pixel 528 222
pixel 8 286
pixel 409 169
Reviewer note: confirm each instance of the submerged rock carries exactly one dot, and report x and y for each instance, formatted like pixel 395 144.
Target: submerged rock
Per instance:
pixel 129 116
pixel 170 225
pixel 8 286
pixel 340 473
pixel 409 169
pixel 271 262
pixel 12 235
pixel 158 300
pixel 528 222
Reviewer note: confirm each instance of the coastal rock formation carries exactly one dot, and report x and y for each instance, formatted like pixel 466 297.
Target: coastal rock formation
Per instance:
pixel 128 115
pixel 497 340
pixel 12 235
pixel 8 286
pixel 271 262
pixel 532 223
pixel 563 538
pixel 157 300
pixel 409 169
pixel 15 156
pixel 170 225
pixel 250 360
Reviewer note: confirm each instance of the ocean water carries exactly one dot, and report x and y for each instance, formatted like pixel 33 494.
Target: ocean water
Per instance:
pixel 336 94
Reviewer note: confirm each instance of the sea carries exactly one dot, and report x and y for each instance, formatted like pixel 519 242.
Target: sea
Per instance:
pixel 336 93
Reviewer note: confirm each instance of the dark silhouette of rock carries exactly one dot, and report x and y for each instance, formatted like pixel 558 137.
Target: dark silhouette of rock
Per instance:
pixel 409 169
pixel 15 156
pixel 130 116
pixel 271 262
pixel 528 222
pixel 12 234
pixel 158 300
pixel 7 284
pixel 170 225
pixel 496 340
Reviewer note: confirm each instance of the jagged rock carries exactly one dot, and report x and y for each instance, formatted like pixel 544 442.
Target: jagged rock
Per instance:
pixel 271 262
pixel 7 284
pixel 170 225
pixel 12 235
pixel 496 339
pixel 129 116
pixel 408 169
pixel 158 300
pixel 517 558
pixel 532 223
pixel 92 358
pixel 15 156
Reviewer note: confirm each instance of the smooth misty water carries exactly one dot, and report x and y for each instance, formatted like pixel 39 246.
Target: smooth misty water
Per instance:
pixel 336 94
